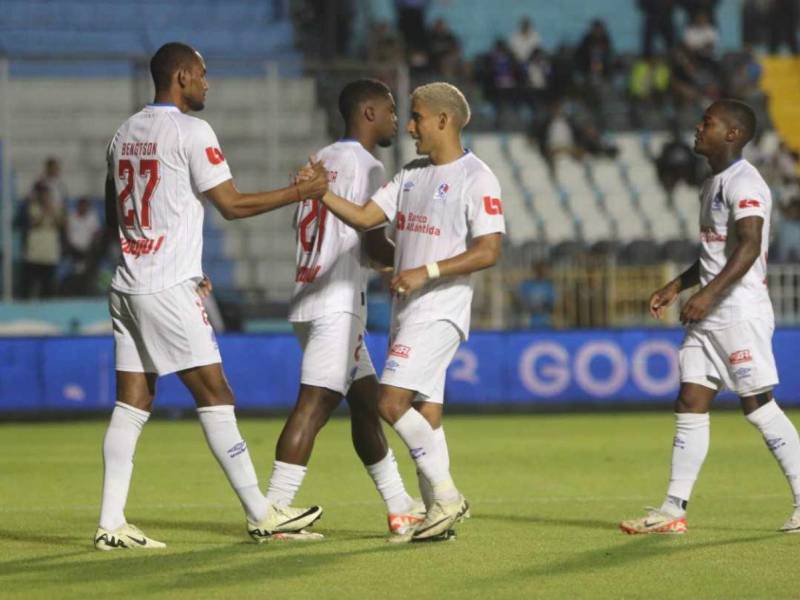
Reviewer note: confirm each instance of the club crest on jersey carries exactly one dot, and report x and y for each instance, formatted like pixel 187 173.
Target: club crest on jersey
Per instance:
pixel 441 192
pixel 718 201
pixel 408 186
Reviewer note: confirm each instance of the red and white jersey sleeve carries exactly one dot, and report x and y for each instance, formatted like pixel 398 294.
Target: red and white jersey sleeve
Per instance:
pixel 436 211
pixel 737 192
pixel 330 275
pixel 161 161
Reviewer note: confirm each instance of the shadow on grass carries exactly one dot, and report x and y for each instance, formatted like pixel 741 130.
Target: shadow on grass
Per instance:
pixel 532 519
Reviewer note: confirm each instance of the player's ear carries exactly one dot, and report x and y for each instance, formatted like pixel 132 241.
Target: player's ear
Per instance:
pixel 369 112
pixel 443 118
pixel 182 76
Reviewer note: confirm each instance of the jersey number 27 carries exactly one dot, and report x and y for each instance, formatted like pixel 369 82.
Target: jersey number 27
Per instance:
pixel 147 168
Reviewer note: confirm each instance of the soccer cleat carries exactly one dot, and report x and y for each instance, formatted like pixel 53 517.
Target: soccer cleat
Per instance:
pixel 654 522
pixel 440 518
pixel 126 537
pixel 404 524
pixel 283 520
pixel 297 536
pixel 792 525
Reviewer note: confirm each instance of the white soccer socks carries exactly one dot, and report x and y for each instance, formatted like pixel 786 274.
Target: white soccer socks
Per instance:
pixel 390 485
pixel 689 450
pixel 425 487
pixel 119 447
pixel 284 482
pixel 230 450
pixel 782 440
pixel 418 435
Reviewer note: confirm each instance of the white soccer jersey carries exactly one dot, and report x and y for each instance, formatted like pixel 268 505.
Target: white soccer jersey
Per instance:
pixel 162 160
pixel 330 276
pixel 737 192
pixel 436 209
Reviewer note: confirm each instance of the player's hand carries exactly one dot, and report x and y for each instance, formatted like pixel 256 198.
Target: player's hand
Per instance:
pixel 317 184
pixel 408 282
pixel 662 299
pixel 204 288
pixel 697 307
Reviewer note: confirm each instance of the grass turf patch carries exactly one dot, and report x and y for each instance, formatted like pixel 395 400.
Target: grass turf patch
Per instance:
pixel 546 491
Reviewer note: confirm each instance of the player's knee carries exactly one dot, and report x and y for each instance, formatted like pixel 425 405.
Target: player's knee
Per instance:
pixel 686 403
pixel 391 408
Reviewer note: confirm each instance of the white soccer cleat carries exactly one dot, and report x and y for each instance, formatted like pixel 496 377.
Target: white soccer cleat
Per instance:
pixel 283 520
pixel 405 523
pixel 654 522
pixel 126 537
pixel 440 519
pixel 297 536
pixel 792 525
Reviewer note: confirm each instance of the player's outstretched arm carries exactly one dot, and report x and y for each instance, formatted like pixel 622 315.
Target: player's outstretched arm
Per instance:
pixel 358 217
pixel 747 250
pixel 484 252
pixel 233 204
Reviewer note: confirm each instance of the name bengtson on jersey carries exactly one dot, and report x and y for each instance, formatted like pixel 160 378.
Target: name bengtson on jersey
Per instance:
pixel 162 161
pixel 436 210
pixel 330 275
pixel 737 192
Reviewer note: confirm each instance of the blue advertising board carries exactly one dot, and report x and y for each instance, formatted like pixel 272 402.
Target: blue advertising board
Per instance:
pixel 608 368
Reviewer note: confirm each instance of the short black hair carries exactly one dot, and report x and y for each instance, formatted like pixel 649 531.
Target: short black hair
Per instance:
pixel 168 59
pixel 356 92
pixel 741 115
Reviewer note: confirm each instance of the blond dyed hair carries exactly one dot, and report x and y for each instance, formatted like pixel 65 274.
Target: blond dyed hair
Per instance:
pixel 444 97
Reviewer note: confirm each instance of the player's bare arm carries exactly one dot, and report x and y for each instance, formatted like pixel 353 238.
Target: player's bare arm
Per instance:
pixel 483 253
pixel 233 204
pixel 666 296
pixel 360 218
pixel 378 249
pixel 747 250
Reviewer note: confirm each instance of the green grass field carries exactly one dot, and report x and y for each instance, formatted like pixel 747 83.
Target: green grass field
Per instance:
pixel 546 492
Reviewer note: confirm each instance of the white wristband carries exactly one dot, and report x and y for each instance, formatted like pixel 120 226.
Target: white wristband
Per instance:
pixel 433 270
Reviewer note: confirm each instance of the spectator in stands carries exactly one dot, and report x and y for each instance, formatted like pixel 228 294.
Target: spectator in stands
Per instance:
pixel 693 7
pixel 384 44
pixel 648 85
pixel 51 178
pixel 677 162
pixel 444 50
pixel 743 73
pixel 43 244
pixel 595 53
pixel 82 236
pixel 562 73
pixel 787 244
pixel 657 22
pixel 537 296
pixel 501 77
pixel 691 82
pixel 524 41
pixel 783 21
pixel 537 77
pixel 411 23
pixel 755 22
pixel 701 37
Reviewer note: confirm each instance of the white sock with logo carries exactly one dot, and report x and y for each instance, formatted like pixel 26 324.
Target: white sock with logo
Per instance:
pixel 425 488
pixel 390 485
pixel 230 450
pixel 782 440
pixel 418 435
pixel 689 450
pixel 119 446
pixel 284 482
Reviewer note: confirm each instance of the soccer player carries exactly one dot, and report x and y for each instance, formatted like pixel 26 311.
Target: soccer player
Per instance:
pixel 729 321
pixel 328 311
pixel 161 163
pixel 448 218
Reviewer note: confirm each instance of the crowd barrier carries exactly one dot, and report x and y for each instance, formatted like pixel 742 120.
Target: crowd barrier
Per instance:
pixel 548 369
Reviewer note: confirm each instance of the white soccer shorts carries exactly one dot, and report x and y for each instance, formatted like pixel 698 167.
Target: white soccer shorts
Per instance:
pixel 738 358
pixel 163 332
pixel 419 354
pixel 334 352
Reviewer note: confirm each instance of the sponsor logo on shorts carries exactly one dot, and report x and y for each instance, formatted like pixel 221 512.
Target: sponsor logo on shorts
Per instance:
pixel 237 449
pixel 742 372
pixel 740 356
pixel 400 350
pixel 391 365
